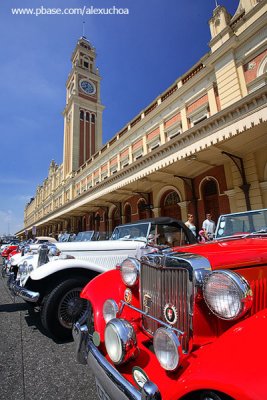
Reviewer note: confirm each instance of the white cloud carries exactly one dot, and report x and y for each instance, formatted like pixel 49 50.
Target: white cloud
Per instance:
pixel 9 222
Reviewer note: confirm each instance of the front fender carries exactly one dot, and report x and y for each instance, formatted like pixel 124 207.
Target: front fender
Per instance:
pixel 59 265
pixel 235 363
pixel 105 286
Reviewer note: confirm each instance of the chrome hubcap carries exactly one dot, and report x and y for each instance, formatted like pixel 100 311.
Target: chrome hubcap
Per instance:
pixel 72 308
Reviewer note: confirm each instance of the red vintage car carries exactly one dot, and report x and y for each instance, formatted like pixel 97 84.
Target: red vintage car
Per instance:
pixel 185 324
pixel 9 249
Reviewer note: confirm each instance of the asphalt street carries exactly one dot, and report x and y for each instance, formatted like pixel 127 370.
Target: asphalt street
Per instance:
pixel 33 366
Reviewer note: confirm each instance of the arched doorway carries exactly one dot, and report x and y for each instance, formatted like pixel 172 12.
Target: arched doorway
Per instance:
pixel 90 223
pixel 79 224
pixel 116 218
pixel 210 197
pixel 170 206
pixel 84 225
pixel 97 222
pixel 142 211
pixel 128 213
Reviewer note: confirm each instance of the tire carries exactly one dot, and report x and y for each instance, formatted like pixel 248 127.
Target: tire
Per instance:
pixel 210 395
pixel 62 306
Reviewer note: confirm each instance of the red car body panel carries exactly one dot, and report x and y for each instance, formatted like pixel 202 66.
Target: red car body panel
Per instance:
pixel 228 254
pixel 8 250
pixel 12 253
pixel 227 356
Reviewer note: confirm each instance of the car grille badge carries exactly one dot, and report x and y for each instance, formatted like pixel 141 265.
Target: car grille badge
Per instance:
pixel 170 313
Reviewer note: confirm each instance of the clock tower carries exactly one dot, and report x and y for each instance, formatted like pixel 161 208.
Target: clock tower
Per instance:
pixel 83 111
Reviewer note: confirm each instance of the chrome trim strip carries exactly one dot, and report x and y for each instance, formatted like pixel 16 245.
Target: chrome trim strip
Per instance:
pixel 149 316
pixel 20 291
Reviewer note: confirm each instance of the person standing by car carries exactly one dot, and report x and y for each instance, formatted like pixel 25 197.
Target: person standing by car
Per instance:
pixel 209 226
pixel 190 224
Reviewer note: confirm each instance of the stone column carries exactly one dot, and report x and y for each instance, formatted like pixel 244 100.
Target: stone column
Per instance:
pixel 156 211
pixel 231 194
pixel 184 119
pixel 184 205
pixel 212 100
pixel 263 186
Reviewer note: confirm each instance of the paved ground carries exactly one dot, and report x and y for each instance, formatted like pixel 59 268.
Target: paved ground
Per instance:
pixel 32 366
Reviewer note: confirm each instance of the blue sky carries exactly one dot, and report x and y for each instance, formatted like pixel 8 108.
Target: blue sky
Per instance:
pixel 139 55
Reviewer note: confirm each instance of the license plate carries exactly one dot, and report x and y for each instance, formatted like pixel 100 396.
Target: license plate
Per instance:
pixel 102 395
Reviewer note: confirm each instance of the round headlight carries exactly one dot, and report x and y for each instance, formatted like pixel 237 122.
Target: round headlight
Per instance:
pixel 227 294
pixel 130 271
pixel 120 340
pixel 110 309
pixel 166 346
pixel 23 268
pixel 53 251
pixel 29 268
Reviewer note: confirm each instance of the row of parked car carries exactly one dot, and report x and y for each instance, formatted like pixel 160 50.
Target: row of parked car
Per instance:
pixel 155 314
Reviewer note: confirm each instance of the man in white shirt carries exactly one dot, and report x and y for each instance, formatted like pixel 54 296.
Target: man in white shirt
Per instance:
pixel 209 227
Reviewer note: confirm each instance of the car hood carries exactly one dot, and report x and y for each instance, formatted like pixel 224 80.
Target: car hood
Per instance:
pixel 101 245
pixel 231 253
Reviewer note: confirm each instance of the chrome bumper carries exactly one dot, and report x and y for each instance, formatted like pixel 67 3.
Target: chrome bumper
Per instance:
pixel 114 384
pixel 21 291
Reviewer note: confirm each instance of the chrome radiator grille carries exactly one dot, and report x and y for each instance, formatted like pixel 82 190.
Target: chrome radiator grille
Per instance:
pixel 160 286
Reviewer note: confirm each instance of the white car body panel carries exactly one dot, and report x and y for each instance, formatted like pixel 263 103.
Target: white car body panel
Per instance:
pixel 98 260
pixel 16 259
pixel 86 250
pixel 59 265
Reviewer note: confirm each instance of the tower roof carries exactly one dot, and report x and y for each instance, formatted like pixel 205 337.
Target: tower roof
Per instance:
pixel 83 39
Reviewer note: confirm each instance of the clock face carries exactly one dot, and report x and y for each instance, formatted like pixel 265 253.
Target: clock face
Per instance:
pixel 87 86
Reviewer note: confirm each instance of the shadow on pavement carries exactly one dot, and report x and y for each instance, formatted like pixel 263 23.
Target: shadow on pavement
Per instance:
pixel 33 319
pixel 13 307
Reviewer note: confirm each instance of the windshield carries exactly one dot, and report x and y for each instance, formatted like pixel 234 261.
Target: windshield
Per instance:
pixel 131 232
pixel 169 235
pixel 241 223
pixel 84 236
pixel 65 237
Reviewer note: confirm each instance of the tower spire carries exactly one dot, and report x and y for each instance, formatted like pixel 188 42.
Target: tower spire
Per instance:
pixel 84 30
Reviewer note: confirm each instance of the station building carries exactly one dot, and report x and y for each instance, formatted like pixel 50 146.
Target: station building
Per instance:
pixel 200 146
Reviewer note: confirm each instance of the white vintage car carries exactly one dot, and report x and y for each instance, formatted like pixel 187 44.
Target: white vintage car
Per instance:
pixel 54 278
pixel 241 223
pixel 32 248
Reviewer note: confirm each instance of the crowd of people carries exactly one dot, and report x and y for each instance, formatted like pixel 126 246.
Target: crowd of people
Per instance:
pixel 207 230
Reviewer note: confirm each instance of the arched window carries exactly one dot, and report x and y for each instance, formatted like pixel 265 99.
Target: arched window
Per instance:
pixel 210 187
pixel 170 206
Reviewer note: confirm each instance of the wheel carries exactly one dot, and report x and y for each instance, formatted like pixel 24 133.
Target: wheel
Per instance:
pixel 210 395
pixel 62 307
